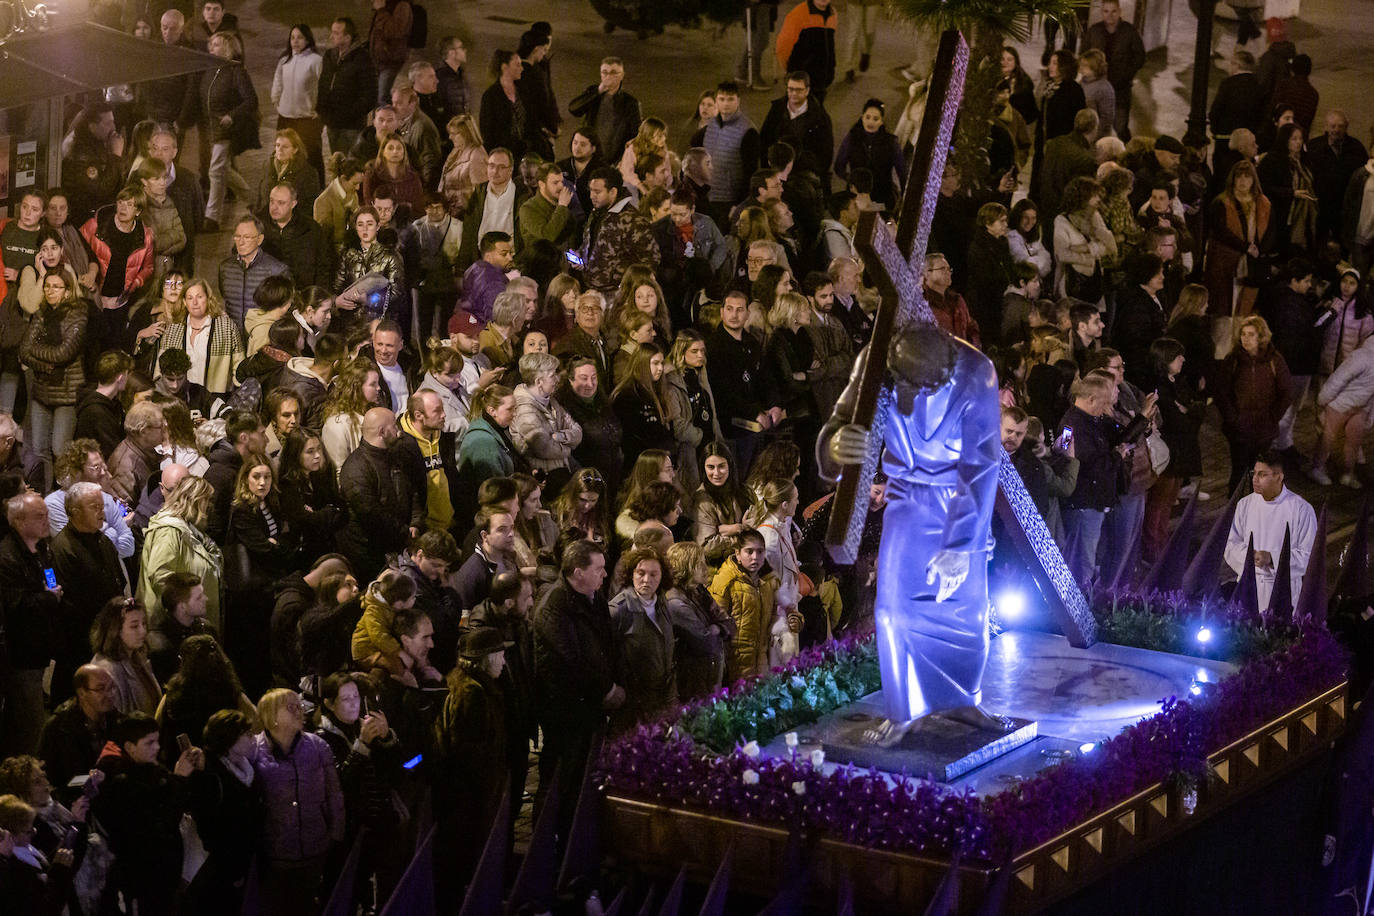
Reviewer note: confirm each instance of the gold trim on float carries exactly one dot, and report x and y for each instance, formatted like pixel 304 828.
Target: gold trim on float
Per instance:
pixel 1252 754
pixel 1027 877
pixel 1309 722
pixel 1161 804
pixel 1060 857
pixel 1223 770
pixel 1280 736
pixel 1337 706
pixel 1094 839
pixel 1127 822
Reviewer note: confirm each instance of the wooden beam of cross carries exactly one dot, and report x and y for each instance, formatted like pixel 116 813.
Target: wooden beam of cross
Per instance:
pixel 896 266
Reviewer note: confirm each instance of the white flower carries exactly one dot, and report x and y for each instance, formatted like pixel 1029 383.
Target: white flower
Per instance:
pixel 751 778
pixel 798 682
pixel 817 757
pixel 791 739
pixel 751 750
pixel 799 788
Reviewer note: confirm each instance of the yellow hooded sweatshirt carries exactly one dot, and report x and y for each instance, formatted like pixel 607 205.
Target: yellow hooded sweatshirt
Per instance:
pixel 439 508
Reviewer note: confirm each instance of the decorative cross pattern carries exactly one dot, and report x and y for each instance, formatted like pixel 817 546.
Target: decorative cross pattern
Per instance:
pixel 896 266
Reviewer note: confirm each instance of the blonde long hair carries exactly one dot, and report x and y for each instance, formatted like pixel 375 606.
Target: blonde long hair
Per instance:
pixel 768 500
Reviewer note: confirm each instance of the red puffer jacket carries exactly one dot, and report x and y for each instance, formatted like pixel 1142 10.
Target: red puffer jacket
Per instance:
pixel 138 268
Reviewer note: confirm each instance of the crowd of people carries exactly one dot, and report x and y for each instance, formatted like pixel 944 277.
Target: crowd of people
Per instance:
pixel 467 450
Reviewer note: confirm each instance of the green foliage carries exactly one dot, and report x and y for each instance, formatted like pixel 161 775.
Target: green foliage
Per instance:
pixel 785 699
pixel 1155 622
pixel 972 131
pixel 1009 19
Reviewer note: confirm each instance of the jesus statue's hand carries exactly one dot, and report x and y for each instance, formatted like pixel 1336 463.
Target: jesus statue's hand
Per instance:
pixel 950 568
pixel 849 445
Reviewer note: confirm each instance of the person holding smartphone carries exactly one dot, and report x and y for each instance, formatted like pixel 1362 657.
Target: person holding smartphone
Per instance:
pixel 368 757
pixel 60 833
pixel 32 601
pixel 1085 509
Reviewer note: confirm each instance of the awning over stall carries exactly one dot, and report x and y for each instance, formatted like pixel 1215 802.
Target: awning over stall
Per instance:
pixel 82 57
pixel 21 83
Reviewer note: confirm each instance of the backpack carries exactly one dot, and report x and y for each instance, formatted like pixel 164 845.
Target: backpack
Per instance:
pixel 419 26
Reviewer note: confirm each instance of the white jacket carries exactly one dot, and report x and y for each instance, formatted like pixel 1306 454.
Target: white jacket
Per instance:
pixel 1351 386
pixel 1080 251
pixel 296 84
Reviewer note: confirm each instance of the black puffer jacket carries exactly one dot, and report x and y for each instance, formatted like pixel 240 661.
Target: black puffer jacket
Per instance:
pixel 367 772
pixel 229 91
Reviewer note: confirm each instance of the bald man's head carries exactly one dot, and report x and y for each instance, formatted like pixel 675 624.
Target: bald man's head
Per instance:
pixel 28 515
pixel 95 691
pixel 172 475
pixel 379 427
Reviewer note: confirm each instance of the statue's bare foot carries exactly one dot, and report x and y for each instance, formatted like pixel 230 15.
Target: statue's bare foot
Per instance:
pixel 887 733
pixel 978 718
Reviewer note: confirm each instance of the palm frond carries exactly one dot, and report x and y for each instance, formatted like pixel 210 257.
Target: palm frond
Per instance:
pixel 1010 19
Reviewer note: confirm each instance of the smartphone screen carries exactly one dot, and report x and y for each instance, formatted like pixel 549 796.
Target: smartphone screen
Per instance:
pixel 413 762
pixel 50 577
pixel 184 742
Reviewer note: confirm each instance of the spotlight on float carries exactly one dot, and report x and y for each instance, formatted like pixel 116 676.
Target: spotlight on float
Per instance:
pixel 1087 747
pixel 1010 604
pixel 1204 634
pixel 1195 689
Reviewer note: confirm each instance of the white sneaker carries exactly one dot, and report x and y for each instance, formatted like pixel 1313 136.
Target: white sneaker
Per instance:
pixel 1351 481
pixel 1320 476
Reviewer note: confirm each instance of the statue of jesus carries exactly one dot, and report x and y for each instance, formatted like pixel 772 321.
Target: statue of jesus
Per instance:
pixel 941 454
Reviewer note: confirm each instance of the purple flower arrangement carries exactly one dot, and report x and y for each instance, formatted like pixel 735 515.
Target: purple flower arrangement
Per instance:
pixel 706 757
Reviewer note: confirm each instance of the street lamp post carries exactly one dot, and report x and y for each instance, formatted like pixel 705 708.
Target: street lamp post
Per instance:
pixel 1202 70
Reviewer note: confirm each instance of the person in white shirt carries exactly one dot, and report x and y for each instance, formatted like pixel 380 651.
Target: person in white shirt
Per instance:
pixel 1266 514
pixel 386 350
pixel 498 211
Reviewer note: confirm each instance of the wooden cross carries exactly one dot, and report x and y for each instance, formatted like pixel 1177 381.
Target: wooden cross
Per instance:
pixel 897 267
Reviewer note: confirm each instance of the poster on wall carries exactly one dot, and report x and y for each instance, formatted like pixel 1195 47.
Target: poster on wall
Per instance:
pixel 26 164
pixel 4 167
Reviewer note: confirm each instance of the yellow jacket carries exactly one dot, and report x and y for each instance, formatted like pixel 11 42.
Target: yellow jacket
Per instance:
pixel 372 639
pixel 752 604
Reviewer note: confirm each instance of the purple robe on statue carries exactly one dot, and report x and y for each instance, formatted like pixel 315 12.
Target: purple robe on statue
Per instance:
pixel 942 462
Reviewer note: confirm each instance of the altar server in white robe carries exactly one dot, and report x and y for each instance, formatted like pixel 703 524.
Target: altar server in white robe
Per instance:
pixel 1267 513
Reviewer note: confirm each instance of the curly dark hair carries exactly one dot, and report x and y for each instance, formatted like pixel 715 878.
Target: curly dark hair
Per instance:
pixel 1077 194
pixel 633 558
